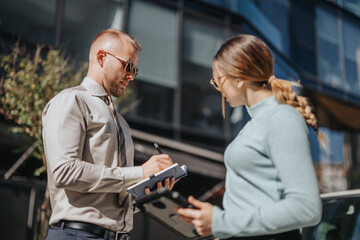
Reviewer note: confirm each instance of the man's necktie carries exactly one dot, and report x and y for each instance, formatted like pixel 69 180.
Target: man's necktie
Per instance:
pixel 121 151
pixel 120 134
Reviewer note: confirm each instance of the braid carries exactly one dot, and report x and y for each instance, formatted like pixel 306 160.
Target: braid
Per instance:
pixel 284 94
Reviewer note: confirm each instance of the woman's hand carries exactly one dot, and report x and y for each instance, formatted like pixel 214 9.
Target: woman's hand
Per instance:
pixel 201 218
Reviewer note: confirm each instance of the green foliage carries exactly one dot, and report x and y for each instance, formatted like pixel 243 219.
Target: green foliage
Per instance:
pixel 28 81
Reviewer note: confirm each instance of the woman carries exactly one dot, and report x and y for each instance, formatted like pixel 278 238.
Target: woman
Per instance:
pixel 271 186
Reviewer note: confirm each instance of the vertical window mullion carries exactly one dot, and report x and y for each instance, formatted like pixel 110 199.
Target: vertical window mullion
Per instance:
pixel 341 51
pixel 60 13
pixel 227 124
pixel 178 90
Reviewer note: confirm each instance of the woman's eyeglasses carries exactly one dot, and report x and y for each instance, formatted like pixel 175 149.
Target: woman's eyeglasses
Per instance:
pixel 219 88
pixel 214 83
pixel 129 66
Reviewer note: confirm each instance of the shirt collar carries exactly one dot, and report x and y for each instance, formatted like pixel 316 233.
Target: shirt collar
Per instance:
pixel 93 87
pixel 260 106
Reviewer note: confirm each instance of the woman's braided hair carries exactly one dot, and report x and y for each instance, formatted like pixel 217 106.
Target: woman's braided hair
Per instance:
pixel 248 58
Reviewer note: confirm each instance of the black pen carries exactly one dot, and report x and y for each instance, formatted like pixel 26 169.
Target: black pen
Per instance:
pixel 158 148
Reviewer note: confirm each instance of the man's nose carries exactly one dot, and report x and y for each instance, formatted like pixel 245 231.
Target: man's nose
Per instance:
pixel 130 76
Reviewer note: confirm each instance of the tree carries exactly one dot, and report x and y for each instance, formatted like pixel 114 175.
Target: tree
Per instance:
pixel 27 82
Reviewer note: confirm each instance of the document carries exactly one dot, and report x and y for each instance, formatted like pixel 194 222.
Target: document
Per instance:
pixel 175 170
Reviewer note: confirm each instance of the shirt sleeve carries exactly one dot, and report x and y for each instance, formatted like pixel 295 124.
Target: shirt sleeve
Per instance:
pixel 64 132
pixel 289 149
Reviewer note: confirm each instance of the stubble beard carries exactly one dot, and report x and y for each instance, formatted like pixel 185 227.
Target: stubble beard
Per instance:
pixel 115 89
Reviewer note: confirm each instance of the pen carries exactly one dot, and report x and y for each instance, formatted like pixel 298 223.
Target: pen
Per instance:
pixel 158 148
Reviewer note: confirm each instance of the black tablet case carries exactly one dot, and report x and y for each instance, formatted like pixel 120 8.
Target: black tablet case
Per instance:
pixel 160 205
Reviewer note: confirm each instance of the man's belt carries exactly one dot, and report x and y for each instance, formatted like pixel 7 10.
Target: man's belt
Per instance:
pixel 93 229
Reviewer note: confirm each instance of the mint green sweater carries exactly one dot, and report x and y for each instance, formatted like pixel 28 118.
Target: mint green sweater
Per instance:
pixel 271 186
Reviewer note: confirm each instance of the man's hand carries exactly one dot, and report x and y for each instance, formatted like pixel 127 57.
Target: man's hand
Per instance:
pixel 155 164
pixel 201 218
pixel 168 183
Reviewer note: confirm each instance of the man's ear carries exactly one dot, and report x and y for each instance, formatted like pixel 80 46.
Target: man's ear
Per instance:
pixel 100 57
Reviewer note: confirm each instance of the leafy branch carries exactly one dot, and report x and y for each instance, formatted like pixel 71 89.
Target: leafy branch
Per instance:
pixel 28 81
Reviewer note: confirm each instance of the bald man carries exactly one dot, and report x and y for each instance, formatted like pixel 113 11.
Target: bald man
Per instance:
pixel 89 150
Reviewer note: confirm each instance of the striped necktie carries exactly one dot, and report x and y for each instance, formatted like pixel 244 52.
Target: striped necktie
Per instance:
pixel 120 134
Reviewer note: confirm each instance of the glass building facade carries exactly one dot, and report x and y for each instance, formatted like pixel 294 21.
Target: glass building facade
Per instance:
pixel 317 42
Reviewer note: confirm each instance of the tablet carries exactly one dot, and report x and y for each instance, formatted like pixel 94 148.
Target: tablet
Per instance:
pixel 161 206
pixel 175 170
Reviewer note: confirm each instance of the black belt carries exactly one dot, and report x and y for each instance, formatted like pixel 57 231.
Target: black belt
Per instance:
pixel 292 235
pixel 93 229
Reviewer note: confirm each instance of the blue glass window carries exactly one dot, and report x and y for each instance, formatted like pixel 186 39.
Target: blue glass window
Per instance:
pixel 80 27
pixel 33 19
pixel 351 36
pixel 335 139
pixel 328 48
pixel 201 103
pixel 157 32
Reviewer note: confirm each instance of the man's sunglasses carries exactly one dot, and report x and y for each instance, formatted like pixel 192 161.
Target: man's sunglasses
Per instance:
pixel 129 66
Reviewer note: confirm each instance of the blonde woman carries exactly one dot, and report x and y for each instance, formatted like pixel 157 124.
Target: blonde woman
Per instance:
pixel 271 188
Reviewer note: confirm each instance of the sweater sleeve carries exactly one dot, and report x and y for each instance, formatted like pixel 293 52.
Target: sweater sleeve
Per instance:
pixel 289 149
